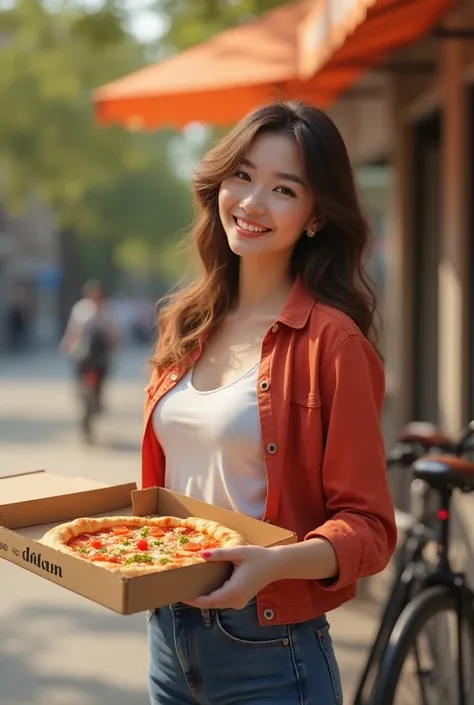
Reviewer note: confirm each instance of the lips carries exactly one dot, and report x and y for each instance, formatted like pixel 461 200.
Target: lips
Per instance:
pixel 250 228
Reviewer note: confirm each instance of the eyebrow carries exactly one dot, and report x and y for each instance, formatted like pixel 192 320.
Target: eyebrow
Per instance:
pixel 280 175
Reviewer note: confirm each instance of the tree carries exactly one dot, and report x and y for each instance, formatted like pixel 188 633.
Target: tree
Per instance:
pixel 102 185
pixel 49 142
pixel 150 208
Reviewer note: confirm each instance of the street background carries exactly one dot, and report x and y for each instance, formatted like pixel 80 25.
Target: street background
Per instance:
pixel 57 648
pixel 98 187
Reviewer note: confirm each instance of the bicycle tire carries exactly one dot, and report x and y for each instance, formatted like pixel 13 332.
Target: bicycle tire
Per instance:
pixel 417 613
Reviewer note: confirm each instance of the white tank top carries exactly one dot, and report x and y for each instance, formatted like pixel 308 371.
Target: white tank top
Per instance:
pixel 212 444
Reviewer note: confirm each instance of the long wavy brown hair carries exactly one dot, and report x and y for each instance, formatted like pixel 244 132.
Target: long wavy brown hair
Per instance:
pixel 331 264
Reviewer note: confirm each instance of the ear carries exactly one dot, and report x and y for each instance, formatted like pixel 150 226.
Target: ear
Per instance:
pixel 318 223
pixel 314 226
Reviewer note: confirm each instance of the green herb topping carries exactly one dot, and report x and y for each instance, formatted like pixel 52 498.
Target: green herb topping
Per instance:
pixel 139 558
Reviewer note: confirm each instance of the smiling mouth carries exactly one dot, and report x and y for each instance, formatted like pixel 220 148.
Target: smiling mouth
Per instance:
pixel 250 228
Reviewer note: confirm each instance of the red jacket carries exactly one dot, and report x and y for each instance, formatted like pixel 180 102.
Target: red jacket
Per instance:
pixel 320 394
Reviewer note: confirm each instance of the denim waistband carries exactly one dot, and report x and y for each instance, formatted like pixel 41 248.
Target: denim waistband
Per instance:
pixel 179 606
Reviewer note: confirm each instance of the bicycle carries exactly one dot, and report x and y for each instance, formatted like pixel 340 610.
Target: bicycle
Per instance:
pixel 414 441
pixel 439 592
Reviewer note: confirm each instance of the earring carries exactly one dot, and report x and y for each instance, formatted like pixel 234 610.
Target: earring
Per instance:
pixel 311 232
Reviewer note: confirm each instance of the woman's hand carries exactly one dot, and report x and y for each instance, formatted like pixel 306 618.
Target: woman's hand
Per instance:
pixel 254 569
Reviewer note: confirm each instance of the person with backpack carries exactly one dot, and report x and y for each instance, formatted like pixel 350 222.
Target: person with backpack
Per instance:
pixel 90 339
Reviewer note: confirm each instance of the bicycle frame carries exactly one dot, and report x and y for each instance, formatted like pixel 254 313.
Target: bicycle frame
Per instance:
pixel 443 575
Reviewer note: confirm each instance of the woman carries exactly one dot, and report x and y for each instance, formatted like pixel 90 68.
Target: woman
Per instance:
pixel 265 399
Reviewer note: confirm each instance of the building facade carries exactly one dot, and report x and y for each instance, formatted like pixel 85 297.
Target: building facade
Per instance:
pixel 412 119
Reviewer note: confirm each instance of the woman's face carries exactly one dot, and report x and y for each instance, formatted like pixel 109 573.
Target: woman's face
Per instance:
pixel 267 204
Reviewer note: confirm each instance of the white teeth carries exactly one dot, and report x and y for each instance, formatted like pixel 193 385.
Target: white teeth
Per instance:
pixel 251 228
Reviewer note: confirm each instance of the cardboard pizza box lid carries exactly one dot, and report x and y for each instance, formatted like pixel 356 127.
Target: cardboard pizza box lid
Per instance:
pixel 38 497
pixel 39 484
pixel 5 474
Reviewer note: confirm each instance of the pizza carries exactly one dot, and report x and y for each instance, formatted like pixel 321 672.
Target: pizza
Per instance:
pixel 140 545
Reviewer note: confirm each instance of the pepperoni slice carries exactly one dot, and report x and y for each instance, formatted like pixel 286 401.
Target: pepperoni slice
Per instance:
pixel 142 545
pixel 191 547
pixel 208 544
pixel 156 531
pixel 96 543
pixel 121 530
pixel 103 557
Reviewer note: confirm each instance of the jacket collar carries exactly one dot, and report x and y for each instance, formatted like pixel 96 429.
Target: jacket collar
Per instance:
pixel 298 307
pixel 295 314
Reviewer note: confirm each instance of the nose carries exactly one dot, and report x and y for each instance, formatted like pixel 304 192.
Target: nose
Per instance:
pixel 253 203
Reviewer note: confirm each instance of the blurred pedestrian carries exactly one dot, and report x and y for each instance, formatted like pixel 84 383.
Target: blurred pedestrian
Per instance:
pixel 266 400
pixel 91 336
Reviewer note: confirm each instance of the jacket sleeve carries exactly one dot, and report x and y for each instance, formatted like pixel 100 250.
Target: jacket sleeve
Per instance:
pixel 153 461
pixel 361 523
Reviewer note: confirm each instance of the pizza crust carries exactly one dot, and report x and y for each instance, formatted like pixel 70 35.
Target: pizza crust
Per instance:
pixel 59 537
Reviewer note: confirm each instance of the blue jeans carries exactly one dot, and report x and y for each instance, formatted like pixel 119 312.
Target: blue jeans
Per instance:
pixel 224 657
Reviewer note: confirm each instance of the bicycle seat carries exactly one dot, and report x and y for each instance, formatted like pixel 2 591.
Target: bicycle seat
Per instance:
pixel 426 434
pixel 442 472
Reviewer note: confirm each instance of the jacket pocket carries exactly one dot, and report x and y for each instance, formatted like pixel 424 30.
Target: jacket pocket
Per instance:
pixel 305 437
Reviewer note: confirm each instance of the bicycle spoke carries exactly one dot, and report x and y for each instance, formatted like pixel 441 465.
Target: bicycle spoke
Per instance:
pixel 421 674
pixel 429 672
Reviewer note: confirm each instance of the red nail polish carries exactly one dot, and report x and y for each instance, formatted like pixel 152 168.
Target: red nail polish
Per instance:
pixel 206 554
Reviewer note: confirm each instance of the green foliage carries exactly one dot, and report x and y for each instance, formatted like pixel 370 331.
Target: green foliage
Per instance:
pixel 48 141
pixel 99 182
pixel 105 184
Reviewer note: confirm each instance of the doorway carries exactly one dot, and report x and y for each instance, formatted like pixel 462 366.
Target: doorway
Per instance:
pixel 426 253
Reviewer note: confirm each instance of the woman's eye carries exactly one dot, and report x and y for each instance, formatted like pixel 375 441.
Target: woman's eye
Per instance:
pixel 285 191
pixel 242 175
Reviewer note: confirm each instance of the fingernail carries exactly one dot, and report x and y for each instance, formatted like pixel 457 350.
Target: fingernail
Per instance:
pixel 206 554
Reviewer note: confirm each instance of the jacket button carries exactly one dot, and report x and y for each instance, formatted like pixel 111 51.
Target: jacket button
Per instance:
pixel 268 614
pixel 173 377
pixel 272 448
pixel 275 327
pixel 264 385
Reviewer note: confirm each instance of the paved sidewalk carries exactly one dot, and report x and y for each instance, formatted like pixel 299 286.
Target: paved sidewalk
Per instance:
pixel 353 627
pixel 57 648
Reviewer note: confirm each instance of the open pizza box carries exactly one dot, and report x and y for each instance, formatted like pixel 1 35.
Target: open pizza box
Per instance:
pixel 34 502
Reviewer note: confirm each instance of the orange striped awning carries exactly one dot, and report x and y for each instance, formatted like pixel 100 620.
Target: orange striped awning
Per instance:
pixel 342 34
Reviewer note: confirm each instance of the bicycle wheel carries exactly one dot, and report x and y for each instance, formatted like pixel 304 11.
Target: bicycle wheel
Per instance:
pixel 420 665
